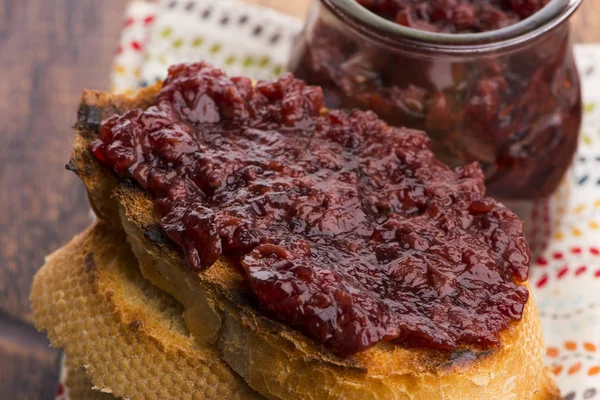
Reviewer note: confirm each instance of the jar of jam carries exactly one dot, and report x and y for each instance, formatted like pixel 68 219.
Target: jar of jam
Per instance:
pixel 492 81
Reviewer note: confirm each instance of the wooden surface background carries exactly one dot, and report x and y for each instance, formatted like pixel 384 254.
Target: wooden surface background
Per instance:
pixel 49 51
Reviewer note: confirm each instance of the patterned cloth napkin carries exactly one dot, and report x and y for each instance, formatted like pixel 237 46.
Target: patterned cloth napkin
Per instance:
pixel 241 39
pixel 256 42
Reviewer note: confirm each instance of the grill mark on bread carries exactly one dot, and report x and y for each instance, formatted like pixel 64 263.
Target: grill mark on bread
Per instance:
pixel 89 263
pixel 153 234
pixel 135 325
pixel 71 166
pixel 461 359
pixel 89 117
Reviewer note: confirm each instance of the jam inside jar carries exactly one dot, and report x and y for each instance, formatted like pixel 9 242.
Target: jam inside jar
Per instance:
pixel 509 98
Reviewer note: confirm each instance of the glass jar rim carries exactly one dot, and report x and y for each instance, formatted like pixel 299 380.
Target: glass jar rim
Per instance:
pixel 551 15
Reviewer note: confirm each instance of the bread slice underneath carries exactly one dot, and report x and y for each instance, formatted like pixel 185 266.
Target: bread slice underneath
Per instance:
pixel 126 333
pixel 277 361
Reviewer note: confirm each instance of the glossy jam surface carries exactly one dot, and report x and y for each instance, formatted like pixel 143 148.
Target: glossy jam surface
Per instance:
pixel 348 229
pixel 455 16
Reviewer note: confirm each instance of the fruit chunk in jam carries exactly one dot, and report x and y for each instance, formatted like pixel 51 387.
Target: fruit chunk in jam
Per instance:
pixel 347 229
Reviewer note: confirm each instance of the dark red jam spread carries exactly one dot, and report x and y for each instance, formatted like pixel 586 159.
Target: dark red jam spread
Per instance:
pixel 348 229
pixel 455 16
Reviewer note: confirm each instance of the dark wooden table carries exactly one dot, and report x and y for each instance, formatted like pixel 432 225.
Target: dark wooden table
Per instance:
pixel 49 51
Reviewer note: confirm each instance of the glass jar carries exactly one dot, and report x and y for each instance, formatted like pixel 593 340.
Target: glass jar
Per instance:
pixel 508 98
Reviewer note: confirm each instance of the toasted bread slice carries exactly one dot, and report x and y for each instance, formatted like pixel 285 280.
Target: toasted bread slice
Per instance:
pixel 128 335
pixel 274 359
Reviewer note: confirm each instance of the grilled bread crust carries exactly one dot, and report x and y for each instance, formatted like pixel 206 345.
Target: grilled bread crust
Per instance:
pixel 127 334
pixel 275 360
